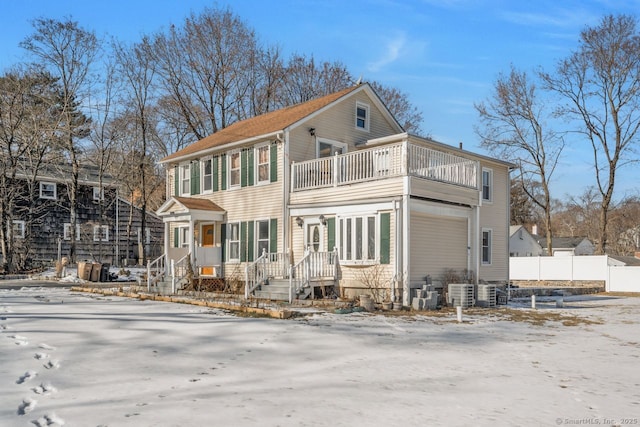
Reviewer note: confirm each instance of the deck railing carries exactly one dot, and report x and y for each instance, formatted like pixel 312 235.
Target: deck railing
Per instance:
pixel 156 270
pixel 384 162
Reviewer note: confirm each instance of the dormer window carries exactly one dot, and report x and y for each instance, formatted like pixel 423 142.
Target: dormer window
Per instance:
pixel 362 116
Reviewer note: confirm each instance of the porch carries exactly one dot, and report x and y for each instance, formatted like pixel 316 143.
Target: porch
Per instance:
pixel 383 162
pixel 272 276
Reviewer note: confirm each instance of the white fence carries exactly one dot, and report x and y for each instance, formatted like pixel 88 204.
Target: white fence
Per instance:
pixel 594 267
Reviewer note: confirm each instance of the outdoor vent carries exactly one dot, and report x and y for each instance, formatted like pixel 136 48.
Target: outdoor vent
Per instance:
pixel 486 296
pixel 460 294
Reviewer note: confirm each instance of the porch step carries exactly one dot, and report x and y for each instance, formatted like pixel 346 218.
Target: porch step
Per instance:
pixel 277 290
pixel 162 287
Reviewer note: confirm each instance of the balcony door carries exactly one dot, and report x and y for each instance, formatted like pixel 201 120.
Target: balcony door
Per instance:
pixel 328 148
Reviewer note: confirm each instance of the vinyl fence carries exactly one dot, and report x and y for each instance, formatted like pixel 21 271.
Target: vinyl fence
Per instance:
pixel 593 267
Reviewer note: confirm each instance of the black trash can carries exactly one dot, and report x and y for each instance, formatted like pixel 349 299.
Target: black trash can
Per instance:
pixel 104 273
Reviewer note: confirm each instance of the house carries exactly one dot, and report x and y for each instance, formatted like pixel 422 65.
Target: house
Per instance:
pixel 107 227
pixel 522 243
pixel 332 195
pixel 563 246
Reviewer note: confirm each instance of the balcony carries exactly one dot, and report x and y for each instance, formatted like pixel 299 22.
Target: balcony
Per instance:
pixel 401 159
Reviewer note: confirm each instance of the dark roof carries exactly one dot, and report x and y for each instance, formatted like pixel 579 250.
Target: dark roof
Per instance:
pixel 628 260
pixel 263 124
pixel 563 242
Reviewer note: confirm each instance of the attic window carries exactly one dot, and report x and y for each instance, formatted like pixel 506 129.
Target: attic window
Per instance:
pixel 362 116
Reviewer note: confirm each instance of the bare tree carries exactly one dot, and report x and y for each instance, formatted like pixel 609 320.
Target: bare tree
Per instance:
pixel 408 115
pixel 600 85
pixel 206 69
pixel 68 51
pixel 513 126
pixel 137 71
pixel 25 100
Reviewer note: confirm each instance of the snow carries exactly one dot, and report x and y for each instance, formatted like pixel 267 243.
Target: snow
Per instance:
pixel 75 359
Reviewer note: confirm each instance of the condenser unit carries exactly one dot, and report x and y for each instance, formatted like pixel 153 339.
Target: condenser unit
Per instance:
pixel 486 296
pixel 460 294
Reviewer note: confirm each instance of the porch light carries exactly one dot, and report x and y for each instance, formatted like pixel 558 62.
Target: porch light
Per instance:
pixel 299 221
pixel 322 219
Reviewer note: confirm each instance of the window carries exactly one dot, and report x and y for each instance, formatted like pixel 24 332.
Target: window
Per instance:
pixel 185 179
pixel 487 183
pixel 18 229
pixel 358 238
pixel 263 160
pixel 48 190
pixel 207 175
pixel 262 231
pixel 98 194
pixel 100 233
pixel 328 148
pixel 66 233
pixel 486 246
pixel 362 116
pixel 234 169
pixel 233 236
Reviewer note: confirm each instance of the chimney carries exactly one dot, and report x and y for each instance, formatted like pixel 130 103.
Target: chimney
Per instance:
pixel 534 229
pixel 461 145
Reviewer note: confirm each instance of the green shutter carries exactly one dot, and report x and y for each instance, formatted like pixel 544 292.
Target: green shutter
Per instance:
pixel 250 240
pixel 176 181
pixel 215 173
pixel 273 235
pixel 176 237
pixel 223 160
pixel 385 238
pixel 223 241
pixel 331 234
pixel 195 177
pixel 243 241
pixel 243 168
pixel 273 167
pixel 250 168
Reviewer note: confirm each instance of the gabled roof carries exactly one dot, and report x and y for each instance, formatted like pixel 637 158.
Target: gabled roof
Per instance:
pixel 565 242
pixel 264 124
pixel 191 206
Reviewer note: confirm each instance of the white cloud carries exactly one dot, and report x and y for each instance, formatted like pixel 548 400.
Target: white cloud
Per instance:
pixel 393 50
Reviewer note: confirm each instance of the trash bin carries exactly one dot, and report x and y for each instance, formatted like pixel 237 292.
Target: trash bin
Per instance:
pixel 95 271
pixel 104 272
pixel 84 270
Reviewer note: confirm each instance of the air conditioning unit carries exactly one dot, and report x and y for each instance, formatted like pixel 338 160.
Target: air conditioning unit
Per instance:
pixel 486 296
pixel 460 294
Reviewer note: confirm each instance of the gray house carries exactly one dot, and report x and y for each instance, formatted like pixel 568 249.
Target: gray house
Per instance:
pixel 522 243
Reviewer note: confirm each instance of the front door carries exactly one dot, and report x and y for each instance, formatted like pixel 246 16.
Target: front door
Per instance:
pixel 208 238
pixel 314 243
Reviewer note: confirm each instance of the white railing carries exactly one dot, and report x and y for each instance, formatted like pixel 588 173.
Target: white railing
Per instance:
pixel 384 162
pixel 440 166
pixel 156 270
pixel 313 265
pixel 267 265
pixel 179 270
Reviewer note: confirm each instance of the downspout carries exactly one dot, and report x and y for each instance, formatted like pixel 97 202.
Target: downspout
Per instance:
pixel 397 245
pixel 406 279
pixel 286 171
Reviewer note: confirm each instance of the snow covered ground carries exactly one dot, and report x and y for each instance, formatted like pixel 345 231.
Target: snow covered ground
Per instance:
pixel 87 360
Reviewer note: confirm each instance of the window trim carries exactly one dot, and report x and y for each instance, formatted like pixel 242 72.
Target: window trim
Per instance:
pixel 55 190
pixel 230 169
pixel 366 120
pixel 21 229
pixel 343 240
pixel 342 145
pixel 489 185
pixel 258 148
pixel 204 176
pixel 257 236
pixel 184 170
pixel 489 246
pixel 98 194
pixel 231 241
pixel 98 236
pixel 66 231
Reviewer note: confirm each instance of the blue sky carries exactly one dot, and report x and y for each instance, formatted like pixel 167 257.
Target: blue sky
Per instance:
pixel 445 54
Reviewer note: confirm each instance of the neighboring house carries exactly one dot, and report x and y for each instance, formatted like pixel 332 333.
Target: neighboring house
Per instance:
pixel 522 243
pixel 106 231
pixel 569 246
pixel 332 192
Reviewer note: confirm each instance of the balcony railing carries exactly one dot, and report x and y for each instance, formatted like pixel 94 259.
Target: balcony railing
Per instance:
pixel 385 162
